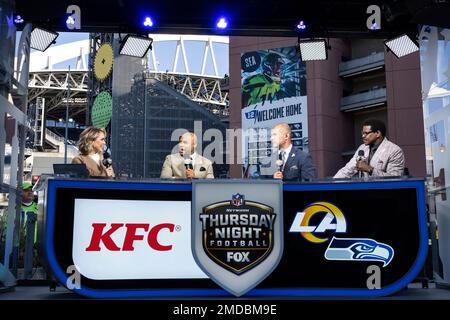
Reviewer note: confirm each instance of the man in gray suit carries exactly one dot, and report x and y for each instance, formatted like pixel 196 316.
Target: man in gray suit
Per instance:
pixel 377 156
pixel 187 163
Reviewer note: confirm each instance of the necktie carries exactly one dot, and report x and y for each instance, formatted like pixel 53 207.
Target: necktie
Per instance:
pixel 283 158
pixel 371 152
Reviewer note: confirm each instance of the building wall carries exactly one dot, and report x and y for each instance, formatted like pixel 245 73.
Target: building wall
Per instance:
pixel 369 82
pixel 128 113
pixel 332 132
pixel 166 112
pixel 364 47
pixel 144 127
pixel 324 89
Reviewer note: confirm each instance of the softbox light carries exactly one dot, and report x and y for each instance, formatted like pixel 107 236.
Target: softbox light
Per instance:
pixel 41 38
pixel 135 46
pixel 401 46
pixel 312 50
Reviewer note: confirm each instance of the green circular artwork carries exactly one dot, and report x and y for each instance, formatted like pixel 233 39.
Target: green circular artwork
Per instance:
pixel 102 110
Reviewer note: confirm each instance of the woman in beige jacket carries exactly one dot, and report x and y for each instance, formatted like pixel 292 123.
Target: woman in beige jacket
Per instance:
pixel 90 145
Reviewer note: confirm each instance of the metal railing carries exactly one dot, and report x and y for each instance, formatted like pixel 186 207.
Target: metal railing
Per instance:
pixel 359 100
pixel 58 138
pixel 54 136
pixel 361 64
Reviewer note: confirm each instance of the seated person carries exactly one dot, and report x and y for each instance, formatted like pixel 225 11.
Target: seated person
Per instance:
pixel 377 156
pixel 292 164
pixel 187 163
pixel 90 145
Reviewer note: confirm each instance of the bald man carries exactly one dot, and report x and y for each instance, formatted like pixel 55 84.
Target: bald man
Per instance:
pixel 187 163
pixel 297 165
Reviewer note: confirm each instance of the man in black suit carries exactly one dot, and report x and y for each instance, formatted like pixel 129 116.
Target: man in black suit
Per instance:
pixel 294 164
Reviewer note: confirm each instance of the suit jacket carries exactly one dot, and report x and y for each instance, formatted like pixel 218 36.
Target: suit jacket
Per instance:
pixel 173 167
pixel 95 170
pixel 388 160
pixel 299 166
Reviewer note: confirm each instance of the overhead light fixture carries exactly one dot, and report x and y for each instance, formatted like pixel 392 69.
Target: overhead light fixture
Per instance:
pixel 401 45
pixel 135 46
pixel 222 23
pixel 70 21
pixel 41 38
pixel 148 22
pixel 18 19
pixel 312 50
pixel 301 26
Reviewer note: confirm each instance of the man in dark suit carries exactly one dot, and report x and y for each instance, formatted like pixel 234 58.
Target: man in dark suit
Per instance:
pixel 293 163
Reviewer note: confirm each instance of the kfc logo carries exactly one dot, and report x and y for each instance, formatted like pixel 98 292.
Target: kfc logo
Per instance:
pixel 102 235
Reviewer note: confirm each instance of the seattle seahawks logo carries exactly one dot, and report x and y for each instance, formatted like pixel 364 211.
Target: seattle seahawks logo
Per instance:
pixel 359 249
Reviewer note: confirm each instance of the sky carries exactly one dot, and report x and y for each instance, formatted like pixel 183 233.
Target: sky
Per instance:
pixel 165 54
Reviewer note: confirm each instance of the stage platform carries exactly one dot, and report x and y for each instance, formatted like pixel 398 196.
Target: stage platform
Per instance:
pixel 413 292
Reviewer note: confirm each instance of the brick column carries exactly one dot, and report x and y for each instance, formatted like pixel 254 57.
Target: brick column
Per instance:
pixel 330 130
pixel 405 112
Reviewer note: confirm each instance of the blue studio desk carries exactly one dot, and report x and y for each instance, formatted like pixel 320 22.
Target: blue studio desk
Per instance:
pixel 117 238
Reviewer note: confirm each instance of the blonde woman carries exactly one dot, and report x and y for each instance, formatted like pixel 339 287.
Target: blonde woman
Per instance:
pixel 90 145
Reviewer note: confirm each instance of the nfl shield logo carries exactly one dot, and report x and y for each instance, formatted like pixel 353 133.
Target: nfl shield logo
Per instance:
pixel 237 242
pixel 237 199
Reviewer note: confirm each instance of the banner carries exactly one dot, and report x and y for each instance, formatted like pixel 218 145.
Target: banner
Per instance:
pixel 125 239
pixel 273 86
pixel 133 239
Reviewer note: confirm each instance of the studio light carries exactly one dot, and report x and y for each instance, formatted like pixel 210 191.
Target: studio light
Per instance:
pixel 41 38
pixel 301 26
pixel 401 45
pixel 222 23
pixel 148 22
pixel 312 50
pixel 18 19
pixel 70 21
pixel 135 46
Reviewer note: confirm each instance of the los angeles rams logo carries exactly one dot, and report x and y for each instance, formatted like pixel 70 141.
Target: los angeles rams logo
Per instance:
pixel 333 219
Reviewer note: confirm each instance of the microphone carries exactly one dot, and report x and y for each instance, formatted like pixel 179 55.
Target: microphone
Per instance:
pixel 188 162
pixel 360 155
pixel 359 158
pixel 279 162
pixel 107 161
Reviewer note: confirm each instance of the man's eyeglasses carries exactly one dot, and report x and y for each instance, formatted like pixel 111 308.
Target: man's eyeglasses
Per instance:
pixel 366 133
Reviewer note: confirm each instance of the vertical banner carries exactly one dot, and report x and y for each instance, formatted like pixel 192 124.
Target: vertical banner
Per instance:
pixel 273 86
